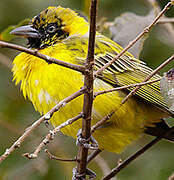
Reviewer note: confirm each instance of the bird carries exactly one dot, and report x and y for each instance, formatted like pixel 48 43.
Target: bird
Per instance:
pixel 63 33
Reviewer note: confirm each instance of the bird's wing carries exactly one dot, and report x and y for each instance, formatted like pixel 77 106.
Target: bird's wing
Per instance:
pixel 128 70
pixel 124 71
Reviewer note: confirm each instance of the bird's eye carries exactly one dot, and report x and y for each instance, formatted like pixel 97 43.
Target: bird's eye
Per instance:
pixel 51 29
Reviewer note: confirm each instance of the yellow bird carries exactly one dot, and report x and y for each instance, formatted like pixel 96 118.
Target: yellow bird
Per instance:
pixel 63 34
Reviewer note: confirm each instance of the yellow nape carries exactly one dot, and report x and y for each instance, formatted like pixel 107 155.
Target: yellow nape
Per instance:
pixel 46 84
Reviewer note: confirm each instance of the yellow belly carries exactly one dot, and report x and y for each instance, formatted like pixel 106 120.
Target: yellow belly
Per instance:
pixel 46 84
pixel 123 127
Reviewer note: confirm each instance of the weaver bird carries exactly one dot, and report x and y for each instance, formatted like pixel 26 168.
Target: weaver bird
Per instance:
pixel 63 34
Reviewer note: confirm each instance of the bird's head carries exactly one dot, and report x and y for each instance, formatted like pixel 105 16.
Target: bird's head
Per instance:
pixel 51 26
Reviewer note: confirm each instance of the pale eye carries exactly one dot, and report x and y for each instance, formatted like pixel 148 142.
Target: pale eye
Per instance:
pixel 51 29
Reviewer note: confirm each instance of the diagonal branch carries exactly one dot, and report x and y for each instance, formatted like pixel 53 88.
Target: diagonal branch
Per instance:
pixel 125 87
pixel 136 155
pixel 46 117
pixel 50 136
pixel 42 56
pixel 146 30
pixel 148 77
pixel 93 155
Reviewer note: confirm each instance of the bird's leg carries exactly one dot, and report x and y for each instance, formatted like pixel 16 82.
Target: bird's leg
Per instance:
pixel 89 143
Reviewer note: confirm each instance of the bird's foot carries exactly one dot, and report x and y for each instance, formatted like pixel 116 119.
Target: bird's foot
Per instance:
pixel 89 172
pixel 89 143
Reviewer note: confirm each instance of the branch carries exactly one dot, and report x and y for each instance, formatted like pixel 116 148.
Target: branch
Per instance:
pixel 59 159
pixel 88 95
pixel 46 117
pixel 166 20
pixel 146 30
pixel 42 56
pixel 125 87
pixel 166 24
pixel 49 137
pixel 103 166
pixel 136 155
pixel 108 24
pixel 101 122
pixel 148 77
pixel 93 155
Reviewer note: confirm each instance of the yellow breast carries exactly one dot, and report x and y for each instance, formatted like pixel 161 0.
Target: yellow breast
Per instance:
pixel 47 84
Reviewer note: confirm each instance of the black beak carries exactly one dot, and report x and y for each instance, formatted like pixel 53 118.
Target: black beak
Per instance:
pixel 26 31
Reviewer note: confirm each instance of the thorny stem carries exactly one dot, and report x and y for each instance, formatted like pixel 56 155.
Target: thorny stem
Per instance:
pixel 42 56
pixel 88 95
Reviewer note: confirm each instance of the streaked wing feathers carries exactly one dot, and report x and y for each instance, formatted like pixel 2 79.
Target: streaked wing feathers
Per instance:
pixel 127 70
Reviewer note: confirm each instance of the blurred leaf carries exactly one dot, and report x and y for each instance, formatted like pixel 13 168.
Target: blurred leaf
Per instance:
pixel 167 88
pixel 127 26
pixel 6 36
pixel 165 34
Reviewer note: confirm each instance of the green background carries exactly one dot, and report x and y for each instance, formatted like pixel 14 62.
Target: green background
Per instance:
pixel 16 113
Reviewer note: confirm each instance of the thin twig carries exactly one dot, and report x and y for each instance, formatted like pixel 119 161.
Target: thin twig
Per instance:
pixel 101 122
pixel 50 136
pixel 103 166
pixel 88 95
pixel 168 26
pixel 146 30
pixel 125 87
pixel 42 56
pixel 149 76
pixel 108 24
pixel 59 159
pixel 136 155
pixel 31 128
pixel 93 155
pixel 166 20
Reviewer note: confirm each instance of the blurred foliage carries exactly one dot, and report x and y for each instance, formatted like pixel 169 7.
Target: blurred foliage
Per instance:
pixel 16 113
pixel 5 34
pixel 134 24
